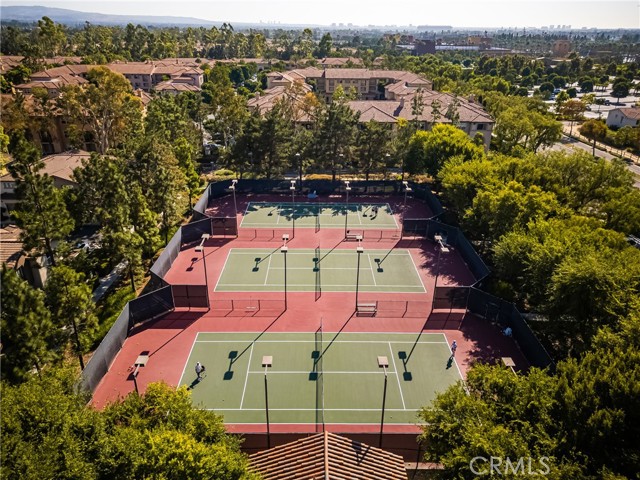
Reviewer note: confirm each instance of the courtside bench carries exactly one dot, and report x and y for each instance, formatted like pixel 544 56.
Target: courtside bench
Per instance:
pixel 366 309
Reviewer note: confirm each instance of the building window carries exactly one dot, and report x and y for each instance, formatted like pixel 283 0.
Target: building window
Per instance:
pixel 480 126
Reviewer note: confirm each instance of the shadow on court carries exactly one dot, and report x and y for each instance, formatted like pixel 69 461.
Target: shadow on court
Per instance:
pixel 234 355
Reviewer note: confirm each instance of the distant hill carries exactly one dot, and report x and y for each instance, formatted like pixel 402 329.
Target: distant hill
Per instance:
pixel 73 17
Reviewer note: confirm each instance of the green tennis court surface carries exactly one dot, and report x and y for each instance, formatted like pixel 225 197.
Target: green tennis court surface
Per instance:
pixel 319 215
pixel 319 377
pixel 259 270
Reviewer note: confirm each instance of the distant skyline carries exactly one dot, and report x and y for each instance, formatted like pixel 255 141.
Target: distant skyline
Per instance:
pixel 457 13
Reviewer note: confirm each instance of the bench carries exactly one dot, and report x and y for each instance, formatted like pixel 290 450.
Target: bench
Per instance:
pixel 367 309
pixel 353 236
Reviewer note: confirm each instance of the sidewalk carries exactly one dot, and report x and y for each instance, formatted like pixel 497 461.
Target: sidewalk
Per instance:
pixel 623 154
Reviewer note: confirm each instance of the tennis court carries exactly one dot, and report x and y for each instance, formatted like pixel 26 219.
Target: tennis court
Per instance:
pixel 320 377
pixel 308 270
pixel 319 215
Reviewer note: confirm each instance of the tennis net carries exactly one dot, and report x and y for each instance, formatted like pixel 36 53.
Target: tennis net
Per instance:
pixel 316 269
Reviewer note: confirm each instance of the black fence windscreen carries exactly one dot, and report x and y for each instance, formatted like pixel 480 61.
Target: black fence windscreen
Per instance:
pixel 505 314
pixel 415 227
pixel 162 265
pixel 200 208
pixel 450 298
pixel 191 296
pixel 151 305
pixel 192 232
pixel 102 358
pixel 224 226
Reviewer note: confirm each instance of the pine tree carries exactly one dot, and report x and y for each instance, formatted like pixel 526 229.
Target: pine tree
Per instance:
pixel 41 214
pixel 28 334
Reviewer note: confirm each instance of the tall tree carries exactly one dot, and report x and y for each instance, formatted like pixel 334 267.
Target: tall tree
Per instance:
pixel 274 143
pixel 596 130
pixel 106 106
pixel 69 298
pixel 41 212
pixel 371 146
pixel 28 334
pixel 336 128
pixel 428 151
pixel 156 169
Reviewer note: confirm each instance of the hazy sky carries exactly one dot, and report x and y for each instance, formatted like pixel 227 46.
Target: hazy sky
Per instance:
pixel 458 13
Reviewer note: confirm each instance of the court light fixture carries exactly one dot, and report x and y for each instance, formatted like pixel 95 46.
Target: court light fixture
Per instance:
pixel 267 361
pixel 383 362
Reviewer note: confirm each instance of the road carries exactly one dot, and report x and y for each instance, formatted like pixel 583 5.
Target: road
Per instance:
pixel 570 144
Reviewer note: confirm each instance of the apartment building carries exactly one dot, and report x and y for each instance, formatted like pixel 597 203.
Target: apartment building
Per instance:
pixel 368 84
pixel 142 76
pixel 59 167
pixel 429 108
pixel 384 96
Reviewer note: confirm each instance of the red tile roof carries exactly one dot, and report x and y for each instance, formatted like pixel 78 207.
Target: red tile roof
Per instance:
pixel 327 456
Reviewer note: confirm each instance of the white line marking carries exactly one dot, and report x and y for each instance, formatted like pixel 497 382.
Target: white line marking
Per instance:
pixel 307 372
pixel 247 375
pixel 373 274
pixel 454 359
pixel 313 410
pixel 249 251
pixel 397 376
pixel 184 370
pixel 395 222
pixel 417 272
pixel 313 341
pixel 326 284
pixel 439 334
pixel 266 277
pixel 223 267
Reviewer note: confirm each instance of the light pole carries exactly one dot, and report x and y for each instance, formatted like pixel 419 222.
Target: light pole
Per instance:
pixel 359 250
pixel 235 205
pixel 383 362
pixel 267 361
pixel 200 248
pixel 387 163
pixel 442 248
pixel 346 212
pixel 340 163
pixel 407 189
pixel 284 249
pixel 293 192
pixel 299 161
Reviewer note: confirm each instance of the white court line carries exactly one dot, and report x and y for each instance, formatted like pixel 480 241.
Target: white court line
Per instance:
pixel 223 267
pixel 328 285
pixel 311 268
pixel 346 333
pixel 395 222
pixel 372 272
pixel 417 272
pixel 454 359
pixel 397 376
pixel 184 370
pixel 313 423
pixel 244 217
pixel 250 251
pixel 313 341
pixel 313 410
pixel 307 372
pixel 266 277
pixel 246 377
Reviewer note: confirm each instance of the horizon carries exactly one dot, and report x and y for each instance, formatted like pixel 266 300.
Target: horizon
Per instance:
pixel 462 14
